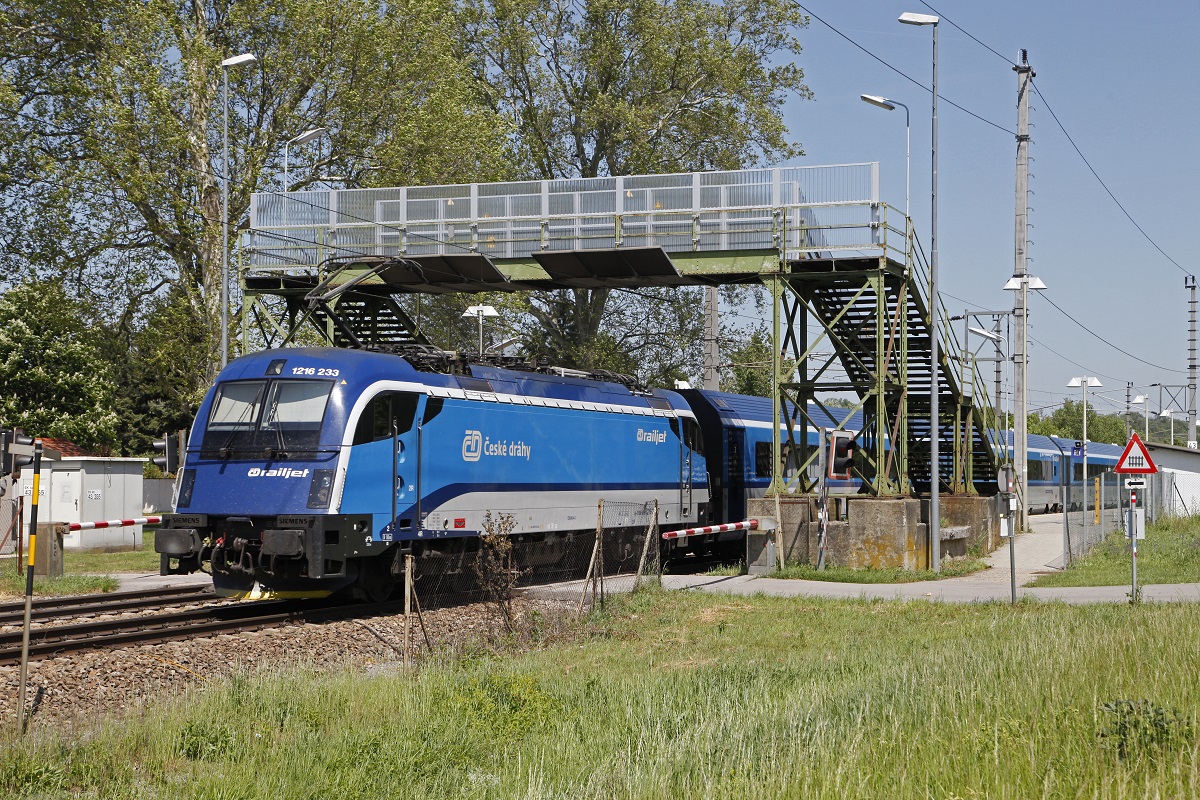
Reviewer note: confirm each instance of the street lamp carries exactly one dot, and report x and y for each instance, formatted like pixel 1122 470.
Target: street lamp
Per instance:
pixel 233 61
pixel 935 524
pixel 303 138
pixel 1084 381
pixel 480 312
pixel 1020 356
pixel 1145 401
pixel 890 105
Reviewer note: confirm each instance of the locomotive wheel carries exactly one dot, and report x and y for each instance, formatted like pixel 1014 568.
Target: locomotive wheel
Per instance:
pixel 375 582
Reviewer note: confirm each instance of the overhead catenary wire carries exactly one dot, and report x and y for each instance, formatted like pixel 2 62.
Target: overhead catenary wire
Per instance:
pixel 1065 133
pixel 900 72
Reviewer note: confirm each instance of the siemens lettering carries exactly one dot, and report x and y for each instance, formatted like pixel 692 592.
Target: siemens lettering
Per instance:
pixel 653 437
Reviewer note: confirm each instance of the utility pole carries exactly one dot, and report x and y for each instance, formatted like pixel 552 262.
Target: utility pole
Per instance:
pixel 1190 283
pixel 1025 74
pixel 712 353
pixel 1128 402
pixel 999 363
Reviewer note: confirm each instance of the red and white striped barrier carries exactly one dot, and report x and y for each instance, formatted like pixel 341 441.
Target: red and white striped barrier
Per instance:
pixel 745 525
pixel 114 523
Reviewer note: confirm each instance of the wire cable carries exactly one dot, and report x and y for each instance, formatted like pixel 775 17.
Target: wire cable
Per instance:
pixel 1100 180
pixel 901 73
pixel 967 33
pixel 1063 128
pixel 1045 297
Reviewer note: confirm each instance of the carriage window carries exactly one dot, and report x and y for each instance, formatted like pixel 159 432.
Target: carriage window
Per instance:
pixel 762 459
pixel 1037 469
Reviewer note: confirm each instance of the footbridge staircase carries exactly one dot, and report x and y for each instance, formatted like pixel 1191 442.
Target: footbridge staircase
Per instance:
pixel 852 316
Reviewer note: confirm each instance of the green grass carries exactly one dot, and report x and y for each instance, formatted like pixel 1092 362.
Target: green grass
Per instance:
pixel 86 572
pixel 89 561
pixel 1170 553
pixel 952 568
pixel 695 696
pixel 12 585
pixel 728 570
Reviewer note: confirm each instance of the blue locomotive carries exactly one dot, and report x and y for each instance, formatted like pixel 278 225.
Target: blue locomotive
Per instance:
pixel 314 471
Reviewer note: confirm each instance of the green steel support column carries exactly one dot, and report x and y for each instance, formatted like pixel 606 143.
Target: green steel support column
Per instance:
pixel 883 483
pixel 777 401
pixel 249 301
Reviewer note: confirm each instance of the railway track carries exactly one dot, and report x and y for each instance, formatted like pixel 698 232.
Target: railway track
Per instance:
pixel 49 641
pixel 13 613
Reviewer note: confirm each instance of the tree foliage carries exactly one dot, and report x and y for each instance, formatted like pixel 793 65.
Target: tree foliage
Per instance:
pixel 1066 422
pixel 111 169
pixel 57 381
pixel 115 113
pixel 620 87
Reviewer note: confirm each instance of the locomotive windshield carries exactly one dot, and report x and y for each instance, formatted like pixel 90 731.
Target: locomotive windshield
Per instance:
pixel 274 419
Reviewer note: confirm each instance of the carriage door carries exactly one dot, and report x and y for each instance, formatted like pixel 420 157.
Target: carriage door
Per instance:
pixel 735 483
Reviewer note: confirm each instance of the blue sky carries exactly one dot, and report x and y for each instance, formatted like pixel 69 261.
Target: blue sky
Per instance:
pixel 1123 83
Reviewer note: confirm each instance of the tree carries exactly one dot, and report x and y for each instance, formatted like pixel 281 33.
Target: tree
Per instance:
pixel 1066 422
pixel 56 379
pixel 619 87
pixel 113 113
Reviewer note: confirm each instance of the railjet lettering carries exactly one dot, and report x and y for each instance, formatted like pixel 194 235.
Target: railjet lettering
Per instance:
pixel 652 437
pixel 285 472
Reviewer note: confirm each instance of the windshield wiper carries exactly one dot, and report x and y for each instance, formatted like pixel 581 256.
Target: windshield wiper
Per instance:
pixel 226 450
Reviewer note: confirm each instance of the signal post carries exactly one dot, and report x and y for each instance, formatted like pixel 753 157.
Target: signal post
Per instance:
pixel 1135 461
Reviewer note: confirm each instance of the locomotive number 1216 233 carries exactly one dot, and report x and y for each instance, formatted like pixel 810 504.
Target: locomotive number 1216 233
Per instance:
pixel 323 372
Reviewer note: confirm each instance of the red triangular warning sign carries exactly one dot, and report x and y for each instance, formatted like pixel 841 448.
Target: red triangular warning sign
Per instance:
pixel 1136 459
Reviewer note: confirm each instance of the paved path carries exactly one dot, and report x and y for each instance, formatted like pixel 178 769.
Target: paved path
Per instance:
pixel 1036 553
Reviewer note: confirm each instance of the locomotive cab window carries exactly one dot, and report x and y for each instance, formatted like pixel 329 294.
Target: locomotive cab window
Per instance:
pixel 277 419
pixel 385 409
pixel 691 435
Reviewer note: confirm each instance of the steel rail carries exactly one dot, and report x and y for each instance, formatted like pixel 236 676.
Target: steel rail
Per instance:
pixel 80 605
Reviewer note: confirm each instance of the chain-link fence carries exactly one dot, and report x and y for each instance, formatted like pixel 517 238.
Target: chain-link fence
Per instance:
pixel 621 554
pixel 1093 511
pixel 626 554
pixel 10 517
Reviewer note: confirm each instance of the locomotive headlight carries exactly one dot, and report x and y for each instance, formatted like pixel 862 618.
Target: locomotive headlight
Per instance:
pixel 321 490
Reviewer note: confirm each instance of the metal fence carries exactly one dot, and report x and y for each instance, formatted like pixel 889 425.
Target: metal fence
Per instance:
pixel 11 513
pixel 1093 512
pixel 797 210
pixel 620 555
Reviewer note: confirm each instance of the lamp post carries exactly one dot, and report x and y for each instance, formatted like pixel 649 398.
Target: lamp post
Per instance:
pixel 997 339
pixel 1084 381
pixel 479 312
pixel 1020 355
pixel 1145 401
pixel 935 523
pixel 890 105
pixel 233 61
pixel 303 138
